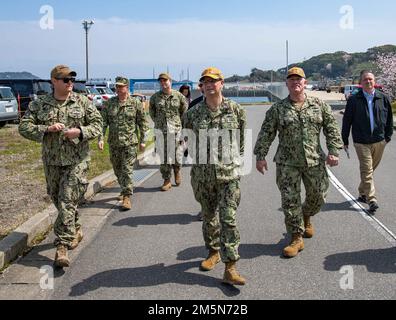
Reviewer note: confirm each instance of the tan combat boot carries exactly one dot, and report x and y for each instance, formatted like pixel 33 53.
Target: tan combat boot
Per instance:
pixel 296 245
pixel 77 239
pixel 126 203
pixel 167 185
pixel 231 275
pixel 211 261
pixel 178 177
pixel 61 256
pixel 309 229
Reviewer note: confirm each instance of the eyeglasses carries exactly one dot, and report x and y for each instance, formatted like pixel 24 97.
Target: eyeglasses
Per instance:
pixel 67 80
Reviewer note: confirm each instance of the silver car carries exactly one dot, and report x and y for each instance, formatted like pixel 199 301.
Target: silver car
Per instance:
pixel 8 106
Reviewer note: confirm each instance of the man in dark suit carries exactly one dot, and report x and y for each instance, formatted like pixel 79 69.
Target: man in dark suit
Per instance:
pixel 369 113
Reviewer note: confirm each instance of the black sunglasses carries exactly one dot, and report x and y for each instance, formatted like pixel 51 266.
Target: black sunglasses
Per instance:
pixel 66 80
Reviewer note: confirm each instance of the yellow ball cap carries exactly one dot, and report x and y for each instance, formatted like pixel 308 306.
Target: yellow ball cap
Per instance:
pixel 296 72
pixel 213 73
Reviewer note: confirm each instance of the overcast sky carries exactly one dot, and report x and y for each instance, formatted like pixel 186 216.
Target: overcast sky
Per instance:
pixel 134 37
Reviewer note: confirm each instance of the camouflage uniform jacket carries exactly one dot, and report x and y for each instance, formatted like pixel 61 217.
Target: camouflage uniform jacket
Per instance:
pixel 125 121
pixel 299 133
pixel 76 112
pixel 167 111
pixel 229 116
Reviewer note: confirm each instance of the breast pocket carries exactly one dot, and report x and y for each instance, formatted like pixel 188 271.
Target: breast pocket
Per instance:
pixel 316 118
pixel 201 125
pixel 161 106
pixel 287 120
pixel 175 103
pixel 76 117
pixel 130 113
pixel 230 123
pixel 47 117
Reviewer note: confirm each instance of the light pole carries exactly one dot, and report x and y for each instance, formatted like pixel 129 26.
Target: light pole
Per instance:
pixel 87 25
pixel 287 56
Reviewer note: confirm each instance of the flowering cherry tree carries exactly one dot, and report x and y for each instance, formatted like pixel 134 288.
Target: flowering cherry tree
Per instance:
pixel 387 77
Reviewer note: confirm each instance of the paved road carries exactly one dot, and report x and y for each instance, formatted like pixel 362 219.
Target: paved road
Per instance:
pixel 153 251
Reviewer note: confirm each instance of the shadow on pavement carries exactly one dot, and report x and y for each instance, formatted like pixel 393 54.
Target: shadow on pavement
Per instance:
pixel 247 251
pixel 146 190
pixel 110 190
pixel 342 206
pixel 375 260
pixel 102 204
pixel 36 258
pixel 149 277
pixel 35 254
pixel 182 219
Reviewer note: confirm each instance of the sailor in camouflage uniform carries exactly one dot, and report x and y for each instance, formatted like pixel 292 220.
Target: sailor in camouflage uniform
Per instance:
pixel 299 120
pixel 128 128
pixel 64 122
pixel 166 109
pixel 216 184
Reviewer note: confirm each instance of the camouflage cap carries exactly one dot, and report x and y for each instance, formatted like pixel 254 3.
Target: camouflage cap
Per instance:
pixel 165 76
pixel 62 71
pixel 213 73
pixel 122 81
pixel 296 72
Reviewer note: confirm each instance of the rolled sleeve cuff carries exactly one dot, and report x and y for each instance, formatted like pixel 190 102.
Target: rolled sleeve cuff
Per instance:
pixel 260 157
pixel 334 152
pixel 84 133
pixel 42 129
pixel 144 138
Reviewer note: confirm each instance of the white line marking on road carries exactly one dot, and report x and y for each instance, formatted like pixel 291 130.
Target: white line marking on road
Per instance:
pixel 378 225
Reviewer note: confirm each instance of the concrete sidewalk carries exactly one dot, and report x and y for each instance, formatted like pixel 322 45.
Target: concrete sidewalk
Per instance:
pixel 21 239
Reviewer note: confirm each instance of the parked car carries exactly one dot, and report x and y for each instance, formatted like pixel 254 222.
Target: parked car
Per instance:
pixel 106 93
pixel 100 83
pixel 28 90
pixel 348 89
pixel 8 106
pixel 91 93
pixel 141 97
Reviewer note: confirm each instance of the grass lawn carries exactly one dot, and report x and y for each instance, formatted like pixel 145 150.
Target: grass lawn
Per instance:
pixel 22 177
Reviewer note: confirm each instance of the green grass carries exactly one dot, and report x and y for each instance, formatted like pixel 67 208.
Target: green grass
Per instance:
pixel 22 156
pixel 100 160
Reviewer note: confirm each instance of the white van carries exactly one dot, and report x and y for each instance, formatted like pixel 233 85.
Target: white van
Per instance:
pixel 8 106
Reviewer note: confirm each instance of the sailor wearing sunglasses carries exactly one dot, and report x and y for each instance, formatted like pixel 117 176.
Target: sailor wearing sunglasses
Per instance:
pixel 64 122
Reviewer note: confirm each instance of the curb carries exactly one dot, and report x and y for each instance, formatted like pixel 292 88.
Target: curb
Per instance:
pixel 21 238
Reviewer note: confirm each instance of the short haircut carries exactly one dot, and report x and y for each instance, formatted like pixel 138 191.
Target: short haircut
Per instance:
pixel 363 72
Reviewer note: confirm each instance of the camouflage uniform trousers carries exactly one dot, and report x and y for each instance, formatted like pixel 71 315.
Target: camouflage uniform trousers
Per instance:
pixel 222 198
pixel 123 160
pixel 66 185
pixel 316 182
pixel 165 168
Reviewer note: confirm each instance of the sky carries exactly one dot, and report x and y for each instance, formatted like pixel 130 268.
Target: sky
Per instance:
pixel 139 38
